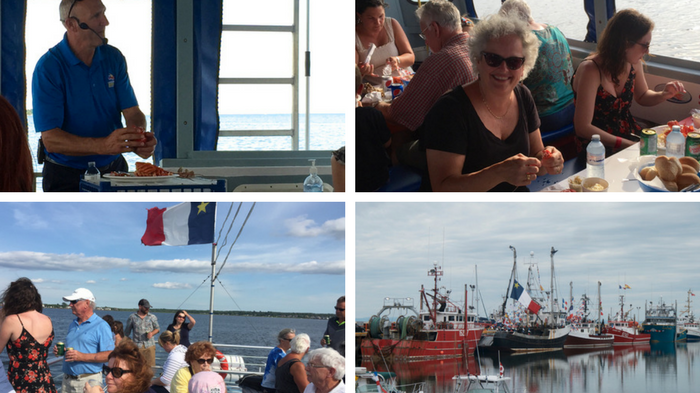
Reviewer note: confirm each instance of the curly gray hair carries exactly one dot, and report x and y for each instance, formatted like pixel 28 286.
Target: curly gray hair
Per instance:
pixel 497 26
pixel 518 8
pixel 442 12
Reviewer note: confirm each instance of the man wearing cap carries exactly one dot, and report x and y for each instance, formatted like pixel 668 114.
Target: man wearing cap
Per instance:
pixel 90 340
pixel 335 329
pixel 145 327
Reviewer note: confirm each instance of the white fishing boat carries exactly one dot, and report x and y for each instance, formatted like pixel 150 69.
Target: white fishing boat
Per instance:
pixel 686 320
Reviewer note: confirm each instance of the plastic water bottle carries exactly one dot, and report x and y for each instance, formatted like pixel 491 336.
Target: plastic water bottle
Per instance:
pixel 675 143
pixel 92 174
pixel 595 158
pixel 313 182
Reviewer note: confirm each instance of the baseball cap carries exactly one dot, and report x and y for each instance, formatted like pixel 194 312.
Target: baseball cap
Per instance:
pixel 80 294
pixel 207 382
pixel 145 303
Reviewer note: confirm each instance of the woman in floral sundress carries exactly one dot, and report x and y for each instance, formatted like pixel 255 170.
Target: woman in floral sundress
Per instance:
pixel 606 82
pixel 27 334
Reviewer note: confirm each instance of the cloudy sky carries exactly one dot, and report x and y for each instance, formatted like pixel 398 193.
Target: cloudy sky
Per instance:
pixel 63 246
pixel 652 247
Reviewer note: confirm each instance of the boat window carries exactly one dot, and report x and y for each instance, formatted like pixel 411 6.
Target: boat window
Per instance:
pixel 451 318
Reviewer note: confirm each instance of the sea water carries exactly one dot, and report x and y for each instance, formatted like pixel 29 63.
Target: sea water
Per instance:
pixel 256 331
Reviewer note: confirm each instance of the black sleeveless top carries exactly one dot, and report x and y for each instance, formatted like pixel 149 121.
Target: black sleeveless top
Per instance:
pixel 284 380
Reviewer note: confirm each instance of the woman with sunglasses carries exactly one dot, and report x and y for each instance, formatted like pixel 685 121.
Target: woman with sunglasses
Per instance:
pixel 290 376
pixel 126 372
pixel 484 136
pixel 182 327
pixel 607 81
pixel 284 337
pixel 199 357
pixel 27 334
pixel 393 51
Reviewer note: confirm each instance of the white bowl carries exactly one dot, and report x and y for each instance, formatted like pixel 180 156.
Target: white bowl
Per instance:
pixel 590 182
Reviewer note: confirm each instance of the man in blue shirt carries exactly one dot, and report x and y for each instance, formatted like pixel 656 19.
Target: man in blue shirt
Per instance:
pixel 80 90
pixel 284 337
pixel 88 343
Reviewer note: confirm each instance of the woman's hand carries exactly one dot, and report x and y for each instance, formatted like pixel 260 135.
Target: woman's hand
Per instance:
pixel 520 170
pixel 366 69
pixel 394 62
pixel 92 389
pixel 552 160
pixel 673 89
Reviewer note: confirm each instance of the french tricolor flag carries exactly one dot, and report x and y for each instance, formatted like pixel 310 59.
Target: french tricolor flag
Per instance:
pixel 180 225
pixel 520 294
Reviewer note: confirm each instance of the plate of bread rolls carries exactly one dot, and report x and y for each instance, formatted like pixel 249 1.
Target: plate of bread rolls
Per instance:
pixel 667 174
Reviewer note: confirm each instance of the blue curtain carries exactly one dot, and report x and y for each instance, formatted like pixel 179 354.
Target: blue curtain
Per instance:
pixel 207 42
pixel 14 79
pixel 589 6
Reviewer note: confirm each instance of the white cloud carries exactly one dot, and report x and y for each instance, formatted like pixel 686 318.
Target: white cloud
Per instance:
pixel 311 267
pixel 172 285
pixel 29 220
pixel 90 282
pixel 304 227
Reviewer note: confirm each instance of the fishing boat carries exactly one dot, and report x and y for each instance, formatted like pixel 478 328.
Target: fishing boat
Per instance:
pixel 536 334
pixel 687 321
pixel 440 329
pixel 660 322
pixel 625 331
pixel 586 333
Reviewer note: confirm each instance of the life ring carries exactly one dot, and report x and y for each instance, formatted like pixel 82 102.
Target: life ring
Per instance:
pixel 223 363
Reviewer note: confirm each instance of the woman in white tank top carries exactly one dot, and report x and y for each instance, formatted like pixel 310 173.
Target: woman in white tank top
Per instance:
pixel 393 51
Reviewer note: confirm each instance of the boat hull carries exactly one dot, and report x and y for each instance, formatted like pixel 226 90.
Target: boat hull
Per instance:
pixel 377 348
pixel 589 341
pixel 436 345
pixel 621 337
pixel 519 342
pixel 660 333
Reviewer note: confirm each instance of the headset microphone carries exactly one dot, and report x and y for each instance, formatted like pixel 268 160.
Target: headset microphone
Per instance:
pixel 84 26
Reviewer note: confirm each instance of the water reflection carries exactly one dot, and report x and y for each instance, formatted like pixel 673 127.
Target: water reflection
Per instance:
pixel 651 368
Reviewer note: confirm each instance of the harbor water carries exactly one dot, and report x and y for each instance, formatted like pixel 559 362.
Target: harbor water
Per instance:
pixel 653 368
pixel 252 331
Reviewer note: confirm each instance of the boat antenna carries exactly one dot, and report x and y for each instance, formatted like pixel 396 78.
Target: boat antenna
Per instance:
pixel 512 277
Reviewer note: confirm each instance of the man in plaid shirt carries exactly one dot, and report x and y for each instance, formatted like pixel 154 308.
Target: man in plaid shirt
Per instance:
pixel 449 65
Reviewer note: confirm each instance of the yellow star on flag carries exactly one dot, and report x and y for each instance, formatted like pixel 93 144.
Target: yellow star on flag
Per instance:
pixel 202 207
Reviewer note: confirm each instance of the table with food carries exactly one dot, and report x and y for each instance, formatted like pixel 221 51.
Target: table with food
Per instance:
pixel 152 178
pixel 645 166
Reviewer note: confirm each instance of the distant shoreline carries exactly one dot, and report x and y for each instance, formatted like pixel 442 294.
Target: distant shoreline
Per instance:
pixel 266 314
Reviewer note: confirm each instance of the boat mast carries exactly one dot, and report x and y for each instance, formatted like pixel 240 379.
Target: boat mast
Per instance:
pixel 512 277
pixel 600 304
pixel 571 296
pixel 435 272
pixel 211 292
pixel 551 288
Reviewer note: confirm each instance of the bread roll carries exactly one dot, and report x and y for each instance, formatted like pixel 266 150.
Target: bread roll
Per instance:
pixel 670 185
pixel 690 161
pixel 688 169
pixel 648 173
pixel 667 169
pixel 685 179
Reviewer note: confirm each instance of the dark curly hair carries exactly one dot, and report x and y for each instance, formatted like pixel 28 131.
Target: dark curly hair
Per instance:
pixel 21 296
pixel 362 5
pixel 623 30
pixel 129 357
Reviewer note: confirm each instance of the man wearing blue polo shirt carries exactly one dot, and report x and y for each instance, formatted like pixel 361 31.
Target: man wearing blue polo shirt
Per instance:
pixel 88 343
pixel 80 90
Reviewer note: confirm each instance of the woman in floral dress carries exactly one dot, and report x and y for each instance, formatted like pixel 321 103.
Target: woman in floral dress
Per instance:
pixel 27 334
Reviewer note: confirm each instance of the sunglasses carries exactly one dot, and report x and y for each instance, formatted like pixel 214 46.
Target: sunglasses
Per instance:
pixel 181 316
pixel 339 309
pixel 316 365
pixel 287 339
pixel 207 361
pixel 116 371
pixel 73 302
pixel 494 60
pixel 645 46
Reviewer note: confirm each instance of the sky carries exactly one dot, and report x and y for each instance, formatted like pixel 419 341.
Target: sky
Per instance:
pixel 652 247
pixel 289 257
pixel 242 54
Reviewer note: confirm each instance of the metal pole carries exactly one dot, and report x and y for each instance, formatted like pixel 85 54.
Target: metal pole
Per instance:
pixel 211 292
pixel 308 73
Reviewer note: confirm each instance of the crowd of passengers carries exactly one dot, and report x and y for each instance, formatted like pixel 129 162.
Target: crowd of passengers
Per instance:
pixel 473 115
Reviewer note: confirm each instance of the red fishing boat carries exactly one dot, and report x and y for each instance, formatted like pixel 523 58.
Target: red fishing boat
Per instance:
pixel 624 330
pixel 588 334
pixel 440 329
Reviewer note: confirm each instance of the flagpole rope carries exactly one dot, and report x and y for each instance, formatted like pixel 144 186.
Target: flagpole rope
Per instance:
pixel 225 219
pixel 235 240
pixel 193 292
pixel 225 241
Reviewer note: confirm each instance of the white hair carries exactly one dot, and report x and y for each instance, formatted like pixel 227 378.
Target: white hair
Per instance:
pixel 441 12
pixel 300 343
pixel 329 357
